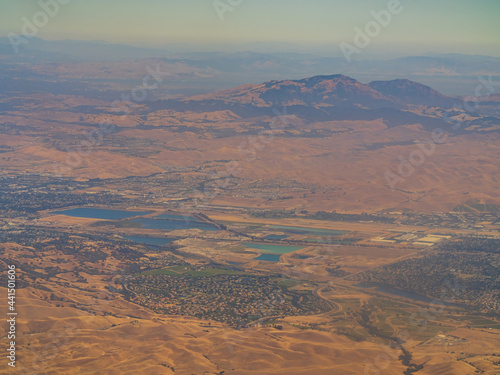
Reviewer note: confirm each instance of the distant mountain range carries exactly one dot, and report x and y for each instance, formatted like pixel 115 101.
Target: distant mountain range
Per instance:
pixel 451 73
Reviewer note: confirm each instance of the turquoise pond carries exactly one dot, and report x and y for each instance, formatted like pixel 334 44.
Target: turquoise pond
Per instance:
pixel 269 257
pixel 101 213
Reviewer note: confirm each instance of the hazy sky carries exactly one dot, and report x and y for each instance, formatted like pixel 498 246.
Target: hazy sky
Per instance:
pixel 459 26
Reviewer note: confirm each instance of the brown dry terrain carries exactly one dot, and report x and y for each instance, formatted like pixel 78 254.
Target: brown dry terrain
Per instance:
pixel 71 327
pixel 345 164
pixel 63 340
pixel 70 322
pixel 90 301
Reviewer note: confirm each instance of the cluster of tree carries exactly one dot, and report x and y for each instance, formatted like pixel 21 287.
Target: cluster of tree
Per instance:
pixel 30 202
pixel 470 278
pixel 472 244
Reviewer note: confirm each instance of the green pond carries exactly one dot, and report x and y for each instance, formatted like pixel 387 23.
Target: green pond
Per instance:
pixel 269 257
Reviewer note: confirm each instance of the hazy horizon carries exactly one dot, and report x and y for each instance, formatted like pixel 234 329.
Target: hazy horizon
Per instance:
pixel 445 27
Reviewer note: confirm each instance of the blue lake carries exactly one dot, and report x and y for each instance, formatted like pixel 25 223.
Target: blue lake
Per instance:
pixel 175 217
pixel 174 224
pixel 164 222
pixel 150 240
pixel 101 213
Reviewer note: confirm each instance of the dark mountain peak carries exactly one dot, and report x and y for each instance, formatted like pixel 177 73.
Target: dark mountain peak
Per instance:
pixel 323 98
pixel 327 90
pixel 322 91
pixel 402 84
pixel 411 92
pixel 311 81
pixel 331 77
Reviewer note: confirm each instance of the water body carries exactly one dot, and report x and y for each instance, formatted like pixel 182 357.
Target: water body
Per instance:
pixel 269 257
pixel 174 224
pixel 150 240
pixel 271 253
pixel 101 213
pixel 273 249
pixel 164 222
pixel 175 217
pixel 305 230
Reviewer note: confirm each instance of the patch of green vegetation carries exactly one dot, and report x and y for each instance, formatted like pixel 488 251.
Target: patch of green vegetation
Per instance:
pixel 424 332
pixel 238 249
pixel 186 271
pixel 401 320
pixel 353 334
pixel 271 321
pixel 386 330
pixel 213 272
pixel 475 205
pixel 286 283
pixel 463 208
pixel 347 304
pixel 158 272
pixel 479 322
pixel 300 326
pixel 396 304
